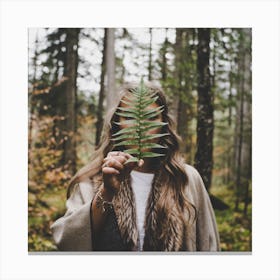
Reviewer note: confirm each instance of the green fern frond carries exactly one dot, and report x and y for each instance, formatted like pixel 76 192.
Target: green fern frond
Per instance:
pixel 139 120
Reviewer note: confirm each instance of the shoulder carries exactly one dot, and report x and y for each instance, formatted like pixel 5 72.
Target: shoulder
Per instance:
pixel 195 189
pixel 193 175
pixel 86 189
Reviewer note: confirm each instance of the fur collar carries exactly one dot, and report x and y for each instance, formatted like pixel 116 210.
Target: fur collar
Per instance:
pixel 164 230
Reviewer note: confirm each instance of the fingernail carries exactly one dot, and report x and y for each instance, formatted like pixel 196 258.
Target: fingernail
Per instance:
pixel 140 162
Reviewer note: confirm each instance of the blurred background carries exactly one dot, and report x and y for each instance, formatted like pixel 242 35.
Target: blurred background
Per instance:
pixel 74 74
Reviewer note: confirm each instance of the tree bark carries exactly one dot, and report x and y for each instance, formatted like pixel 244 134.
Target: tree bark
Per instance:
pixel 71 91
pixel 164 63
pixel 184 90
pixel 100 109
pixel 239 143
pixel 205 120
pixel 173 108
pixel 123 70
pixel 247 154
pixel 110 69
pixel 31 101
pixel 243 122
pixel 229 157
pixel 150 55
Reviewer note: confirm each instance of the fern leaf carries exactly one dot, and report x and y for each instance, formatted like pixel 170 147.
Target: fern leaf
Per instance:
pixel 138 119
pixel 151 155
pixel 152 145
pixel 125 136
pixel 127 114
pixel 153 136
pixel 126 130
pixel 127 142
pixel 132 151
pixel 133 159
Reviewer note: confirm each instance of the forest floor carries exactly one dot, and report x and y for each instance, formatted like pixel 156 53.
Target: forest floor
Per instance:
pixel 43 210
pixel 234 227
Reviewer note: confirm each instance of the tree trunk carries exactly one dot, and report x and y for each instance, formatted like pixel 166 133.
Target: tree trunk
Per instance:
pixel 179 77
pixel 239 122
pixel 58 97
pixel 243 122
pixel 184 90
pixel 247 194
pixel 247 154
pixel 173 108
pixel 205 120
pixel 230 95
pixel 31 101
pixel 71 74
pixel 164 63
pixel 150 55
pixel 229 153
pixel 110 68
pixel 239 143
pixel 99 122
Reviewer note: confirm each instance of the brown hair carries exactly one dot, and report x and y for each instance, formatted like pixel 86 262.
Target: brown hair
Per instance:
pixel 173 178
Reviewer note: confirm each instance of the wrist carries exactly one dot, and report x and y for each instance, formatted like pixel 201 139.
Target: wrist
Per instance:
pixel 103 200
pixel 107 193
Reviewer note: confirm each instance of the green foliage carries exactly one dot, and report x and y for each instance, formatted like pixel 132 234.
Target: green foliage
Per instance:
pixel 43 208
pixel 139 121
pixel 48 180
pixel 235 231
pixel 235 227
pixel 46 176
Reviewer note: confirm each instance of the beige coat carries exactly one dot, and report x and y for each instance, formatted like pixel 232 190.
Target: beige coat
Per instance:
pixel 73 231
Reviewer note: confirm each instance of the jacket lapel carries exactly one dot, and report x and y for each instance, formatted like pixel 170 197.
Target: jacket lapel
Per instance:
pixel 125 210
pixel 164 230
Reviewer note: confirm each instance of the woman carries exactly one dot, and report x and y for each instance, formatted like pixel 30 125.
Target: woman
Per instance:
pixel 156 204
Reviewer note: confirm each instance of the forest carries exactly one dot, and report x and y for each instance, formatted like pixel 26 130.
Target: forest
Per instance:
pixel 73 77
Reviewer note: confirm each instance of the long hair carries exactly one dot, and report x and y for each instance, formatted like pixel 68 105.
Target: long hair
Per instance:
pixel 173 177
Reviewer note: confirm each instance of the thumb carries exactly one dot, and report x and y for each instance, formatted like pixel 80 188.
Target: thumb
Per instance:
pixel 140 162
pixel 131 165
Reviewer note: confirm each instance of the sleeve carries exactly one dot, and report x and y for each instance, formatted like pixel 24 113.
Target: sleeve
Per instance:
pixel 207 236
pixel 72 232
